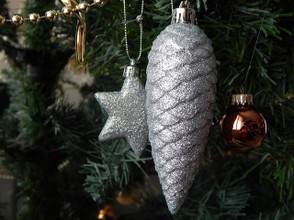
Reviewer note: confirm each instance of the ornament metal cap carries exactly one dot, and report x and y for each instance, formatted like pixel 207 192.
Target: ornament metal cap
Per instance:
pixel 131 71
pixel 184 14
pixel 242 99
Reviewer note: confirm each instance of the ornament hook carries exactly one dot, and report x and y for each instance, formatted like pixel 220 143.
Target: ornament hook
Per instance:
pixel 81 38
pixel 79 10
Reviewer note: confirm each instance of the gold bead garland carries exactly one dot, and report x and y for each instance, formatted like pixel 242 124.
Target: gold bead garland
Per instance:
pixel 67 11
pixel 34 18
pixel 2 19
pixel 51 15
pixel 84 7
pixel 17 19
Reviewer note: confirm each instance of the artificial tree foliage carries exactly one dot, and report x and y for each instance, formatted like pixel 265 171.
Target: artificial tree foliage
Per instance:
pixel 52 149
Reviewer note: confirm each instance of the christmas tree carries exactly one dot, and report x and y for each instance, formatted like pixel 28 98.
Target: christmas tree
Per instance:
pixel 48 140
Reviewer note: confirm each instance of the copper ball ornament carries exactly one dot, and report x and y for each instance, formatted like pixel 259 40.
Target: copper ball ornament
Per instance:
pixel 243 128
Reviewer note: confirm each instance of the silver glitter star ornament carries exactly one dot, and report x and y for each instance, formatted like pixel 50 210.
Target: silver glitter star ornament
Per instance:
pixel 126 110
pixel 181 86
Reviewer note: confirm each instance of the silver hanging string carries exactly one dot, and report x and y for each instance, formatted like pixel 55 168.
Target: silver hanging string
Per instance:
pixel 186 2
pixel 139 20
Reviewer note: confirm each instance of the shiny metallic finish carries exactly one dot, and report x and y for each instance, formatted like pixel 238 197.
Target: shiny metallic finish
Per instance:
pixel 34 18
pixel 99 3
pixel 242 99
pixel 243 128
pixel 72 7
pixel 181 86
pixel 80 43
pixel 51 15
pixel 127 114
pixel 131 71
pixel 2 20
pixel 17 20
pixel 184 14
pixel 67 11
pixel 70 3
pixel 83 6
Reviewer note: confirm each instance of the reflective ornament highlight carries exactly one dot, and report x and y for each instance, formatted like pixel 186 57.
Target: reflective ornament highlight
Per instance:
pixel 243 128
pixel 107 212
pixel 34 18
pixel 17 19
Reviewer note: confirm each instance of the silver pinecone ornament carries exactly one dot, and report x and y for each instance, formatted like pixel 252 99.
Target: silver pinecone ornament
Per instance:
pixel 181 86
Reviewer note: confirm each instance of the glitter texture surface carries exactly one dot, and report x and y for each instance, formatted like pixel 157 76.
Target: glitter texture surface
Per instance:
pixel 127 114
pixel 181 86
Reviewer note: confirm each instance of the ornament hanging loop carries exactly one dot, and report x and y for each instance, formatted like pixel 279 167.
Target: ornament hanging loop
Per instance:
pixel 79 10
pixel 133 62
pixel 81 38
pixel 139 20
pixel 184 14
